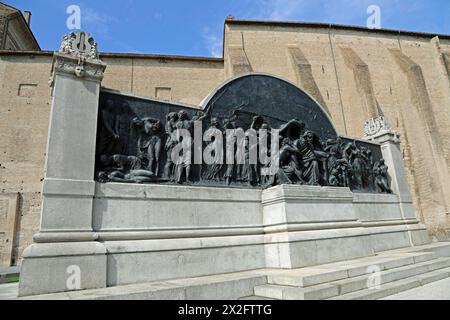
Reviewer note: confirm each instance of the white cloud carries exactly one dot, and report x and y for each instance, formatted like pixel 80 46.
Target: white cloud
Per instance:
pixel 327 11
pixel 95 21
pixel 213 42
pixel 278 9
pixel 285 9
pixel 158 16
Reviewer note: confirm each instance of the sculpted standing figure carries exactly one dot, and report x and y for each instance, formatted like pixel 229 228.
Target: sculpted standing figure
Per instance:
pixel 343 173
pixel 199 116
pixel 358 169
pixel 212 171
pixel 368 173
pixel 172 119
pixel 229 173
pixel 288 172
pixel 265 134
pixel 109 132
pixel 123 129
pixel 184 123
pixel 381 177
pixel 309 163
pixel 334 150
pixel 354 156
pixel 321 156
pixel 249 169
pixel 253 169
pixel 149 143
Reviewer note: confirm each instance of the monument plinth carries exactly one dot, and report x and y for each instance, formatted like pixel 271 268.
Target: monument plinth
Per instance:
pixel 393 157
pixel 66 238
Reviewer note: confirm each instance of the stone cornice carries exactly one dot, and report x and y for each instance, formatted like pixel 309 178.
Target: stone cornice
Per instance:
pixel 67 64
pixel 385 136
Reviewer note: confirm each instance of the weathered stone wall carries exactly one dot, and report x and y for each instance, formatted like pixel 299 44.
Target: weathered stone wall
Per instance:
pixel 25 106
pixel 354 74
pixel 361 74
pixel 184 80
pixel 25 99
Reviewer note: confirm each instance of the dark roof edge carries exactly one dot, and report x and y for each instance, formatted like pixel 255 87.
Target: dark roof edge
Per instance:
pixel 336 26
pixel 9 6
pixel 20 13
pixel 25 53
pixel 29 29
pixel 240 22
pixel 121 55
pixel 160 56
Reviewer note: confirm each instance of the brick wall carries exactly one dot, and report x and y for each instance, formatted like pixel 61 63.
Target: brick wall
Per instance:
pixel 355 74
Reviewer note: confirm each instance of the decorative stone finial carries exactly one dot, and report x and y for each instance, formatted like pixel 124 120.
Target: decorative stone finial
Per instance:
pixel 80 45
pixel 378 127
pixel 375 126
pixel 78 55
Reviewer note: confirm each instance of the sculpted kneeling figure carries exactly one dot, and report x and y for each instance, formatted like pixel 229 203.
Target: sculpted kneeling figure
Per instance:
pixel 120 168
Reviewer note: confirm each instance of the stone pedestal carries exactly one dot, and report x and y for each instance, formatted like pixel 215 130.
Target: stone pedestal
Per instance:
pixel 66 239
pixel 392 154
pixel 95 235
pixel 306 226
pixel 390 148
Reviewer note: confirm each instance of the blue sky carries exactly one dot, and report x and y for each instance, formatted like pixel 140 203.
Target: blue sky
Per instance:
pixel 195 27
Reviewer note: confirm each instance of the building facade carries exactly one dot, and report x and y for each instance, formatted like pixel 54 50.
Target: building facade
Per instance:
pixel 354 73
pixel 15 32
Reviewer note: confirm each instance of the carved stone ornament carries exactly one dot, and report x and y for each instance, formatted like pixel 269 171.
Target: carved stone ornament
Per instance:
pixel 80 45
pixel 79 55
pixel 374 126
pixel 81 71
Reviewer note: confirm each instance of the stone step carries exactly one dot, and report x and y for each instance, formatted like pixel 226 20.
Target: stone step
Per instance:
pixel 230 286
pixel 253 284
pixel 441 249
pixel 256 298
pixel 307 277
pixel 319 292
pixel 362 282
pixel 395 287
pixel 349 285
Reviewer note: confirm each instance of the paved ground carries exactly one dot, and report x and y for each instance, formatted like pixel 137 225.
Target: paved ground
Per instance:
pixel 434 291
pixel 8 291
pixel 9 274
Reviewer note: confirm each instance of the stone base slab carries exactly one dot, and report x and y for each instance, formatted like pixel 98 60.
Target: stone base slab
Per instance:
pixel 145 233
pixel 319 282
pixel 56 267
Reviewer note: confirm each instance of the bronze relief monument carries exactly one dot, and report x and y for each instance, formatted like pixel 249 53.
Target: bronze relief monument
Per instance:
pixel 252 184
pixel 308 149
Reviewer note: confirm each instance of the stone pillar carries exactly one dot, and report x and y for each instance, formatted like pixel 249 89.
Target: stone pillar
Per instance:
pixel 378 130
pixel 65 255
